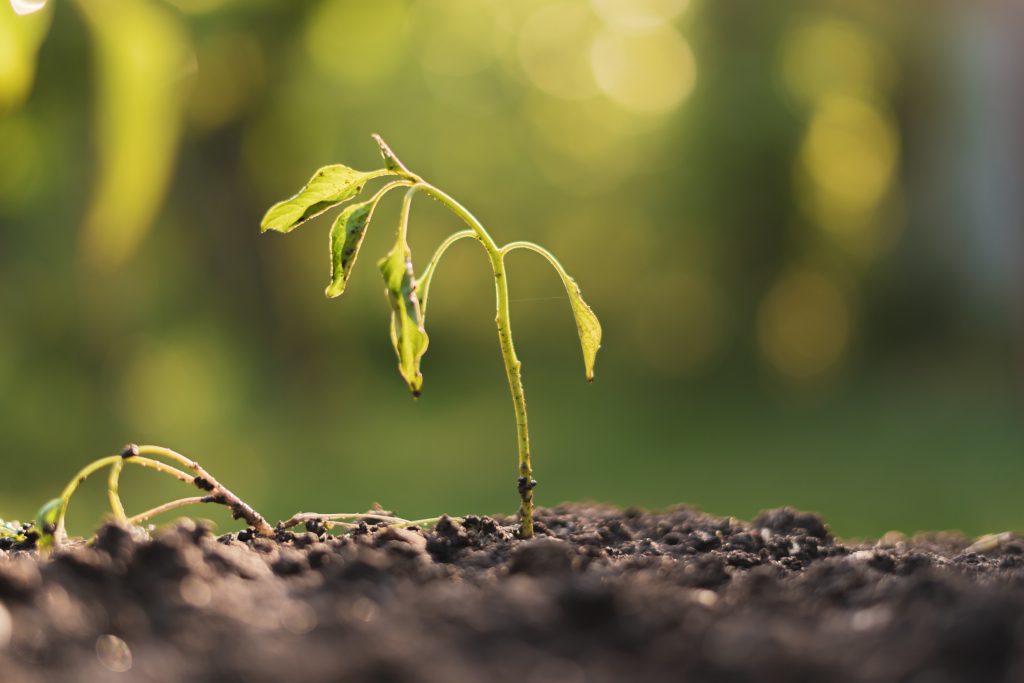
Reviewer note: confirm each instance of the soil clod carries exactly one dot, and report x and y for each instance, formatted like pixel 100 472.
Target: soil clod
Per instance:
pixel 599 595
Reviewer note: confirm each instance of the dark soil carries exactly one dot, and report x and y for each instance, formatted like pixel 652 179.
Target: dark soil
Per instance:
pixel 602 595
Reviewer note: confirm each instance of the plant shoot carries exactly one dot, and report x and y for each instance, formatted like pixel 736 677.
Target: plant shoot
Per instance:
pixel 408 293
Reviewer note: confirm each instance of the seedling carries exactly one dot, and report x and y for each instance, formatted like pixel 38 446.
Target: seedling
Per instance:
pixel 49 524
pixel 408 294
pixel 47 531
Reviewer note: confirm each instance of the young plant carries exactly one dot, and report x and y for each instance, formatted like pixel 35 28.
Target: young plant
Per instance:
pixel 408 294
pixel 47 531
pixel 49 523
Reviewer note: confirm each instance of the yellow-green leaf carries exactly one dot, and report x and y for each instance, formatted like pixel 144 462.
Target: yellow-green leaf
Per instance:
pixel 347 233
pixel 329 186
pixel 587 324
pixel 407 333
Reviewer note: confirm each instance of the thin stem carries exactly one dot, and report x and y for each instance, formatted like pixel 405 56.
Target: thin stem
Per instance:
pixel 424 280
pixel 331 520
pixel 426 521
pixel 302 517
pixel 166 507
pixel 513 367
pixel 112 491
pixel 169 470
pixel 462 212
pixel 218 493
pixel 59 534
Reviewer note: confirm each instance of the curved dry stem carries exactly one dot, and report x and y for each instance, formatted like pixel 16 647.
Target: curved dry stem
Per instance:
pixel 166 507
pixel 217 492
pixel 303 517
pixel 331 520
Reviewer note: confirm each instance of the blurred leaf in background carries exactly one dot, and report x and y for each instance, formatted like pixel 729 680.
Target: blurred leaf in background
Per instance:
pixel 144 63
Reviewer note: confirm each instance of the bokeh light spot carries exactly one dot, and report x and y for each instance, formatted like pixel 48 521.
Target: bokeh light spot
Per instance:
pixel 850 151
pixel 804 325
pixel 552 50
pixel 639 14
pixel 23 7
pixel 648 72
pixel 20 37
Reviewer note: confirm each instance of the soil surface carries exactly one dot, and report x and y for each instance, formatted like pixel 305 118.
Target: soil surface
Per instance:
pixel 601 595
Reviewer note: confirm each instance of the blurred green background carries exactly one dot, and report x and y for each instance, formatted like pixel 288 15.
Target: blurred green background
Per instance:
pixel 800 223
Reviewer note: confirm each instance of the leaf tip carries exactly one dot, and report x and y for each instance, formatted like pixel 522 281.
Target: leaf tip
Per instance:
pixel 391 161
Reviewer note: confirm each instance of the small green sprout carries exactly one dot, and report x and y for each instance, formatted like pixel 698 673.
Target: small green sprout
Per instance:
pixel 333 185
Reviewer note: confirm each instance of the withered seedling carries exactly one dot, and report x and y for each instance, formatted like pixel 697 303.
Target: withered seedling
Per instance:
pixel 408 294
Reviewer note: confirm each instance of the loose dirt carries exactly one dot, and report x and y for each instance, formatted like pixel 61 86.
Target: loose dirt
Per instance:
pixel 602 595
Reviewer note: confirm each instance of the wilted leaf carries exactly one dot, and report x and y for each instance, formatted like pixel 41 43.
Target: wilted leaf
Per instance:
pixel 329 186
pixel 347 235
pixel 587 324
pixel 407 333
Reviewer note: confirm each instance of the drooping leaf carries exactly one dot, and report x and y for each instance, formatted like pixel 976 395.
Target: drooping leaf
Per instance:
pixel 407 334
pixel 347 235
pixel 329 186
pixel 587 324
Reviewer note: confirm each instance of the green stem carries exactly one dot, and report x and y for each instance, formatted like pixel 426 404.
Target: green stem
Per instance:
pixel 113 481
pixel 424 280
pixel 508 352
pixel 59 534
